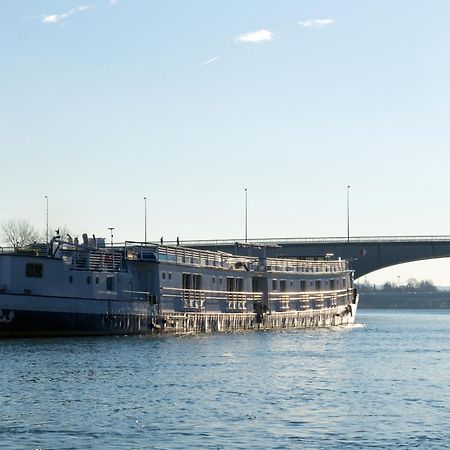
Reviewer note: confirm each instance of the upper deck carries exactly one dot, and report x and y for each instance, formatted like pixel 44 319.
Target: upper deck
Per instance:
pixel 112 259
pixel 138 251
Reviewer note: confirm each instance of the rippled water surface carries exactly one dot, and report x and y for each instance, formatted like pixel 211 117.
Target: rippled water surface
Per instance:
pixel 384 383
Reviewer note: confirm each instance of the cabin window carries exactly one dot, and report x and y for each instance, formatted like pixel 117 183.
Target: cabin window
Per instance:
pixel 318 285
pixel 88 280
pixel 71 279
pixel 186 281
pixel 332 285
pixel 192 281
pixel 230 284
pixel 110 283
pixel 239 284
pixel 220 280
pixel 164 275
pixel 303 285
pixel 213 280
pixel 97 280
pixel 274 285
pixel 33 270
pixel 170 275
pixel 196 282
pixel 283 285
pixel 344 282
pixel 292 283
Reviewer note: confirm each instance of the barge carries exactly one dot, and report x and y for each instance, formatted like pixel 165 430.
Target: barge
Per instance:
pixel 70 288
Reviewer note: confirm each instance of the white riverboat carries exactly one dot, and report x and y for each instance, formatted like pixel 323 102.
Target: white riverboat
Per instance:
pixel 71 288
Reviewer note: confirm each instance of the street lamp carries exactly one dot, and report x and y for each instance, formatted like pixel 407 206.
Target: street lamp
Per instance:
pixel 145 219
pixel 348 213
pixel 46 214
pixel 246 215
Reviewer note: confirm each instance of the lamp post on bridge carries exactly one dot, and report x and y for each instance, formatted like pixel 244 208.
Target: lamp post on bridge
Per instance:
pixel 348 213
pixel 145 219
pixel 246 215
pixel 46 213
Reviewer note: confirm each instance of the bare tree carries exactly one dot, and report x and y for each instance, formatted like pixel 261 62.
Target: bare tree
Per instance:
pixel 18 232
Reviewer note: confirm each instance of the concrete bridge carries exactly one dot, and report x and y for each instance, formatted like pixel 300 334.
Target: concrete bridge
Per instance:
pixel 367 254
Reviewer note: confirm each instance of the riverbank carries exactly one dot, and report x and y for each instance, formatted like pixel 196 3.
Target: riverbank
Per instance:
pixel 404 300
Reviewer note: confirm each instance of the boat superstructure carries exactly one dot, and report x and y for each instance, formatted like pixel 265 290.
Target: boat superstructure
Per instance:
pixel 68 288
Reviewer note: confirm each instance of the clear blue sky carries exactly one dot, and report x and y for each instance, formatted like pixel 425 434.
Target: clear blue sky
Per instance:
pixel 104 102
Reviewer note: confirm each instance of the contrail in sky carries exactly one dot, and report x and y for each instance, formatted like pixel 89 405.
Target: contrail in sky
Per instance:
pixel 210 61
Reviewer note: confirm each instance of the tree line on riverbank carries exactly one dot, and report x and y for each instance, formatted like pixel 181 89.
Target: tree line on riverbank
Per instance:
pixel 411 285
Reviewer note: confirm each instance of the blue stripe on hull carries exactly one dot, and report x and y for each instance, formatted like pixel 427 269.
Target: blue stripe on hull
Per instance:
pixel 36 323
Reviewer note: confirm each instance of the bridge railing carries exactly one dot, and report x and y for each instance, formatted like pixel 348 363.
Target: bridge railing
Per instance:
pixel 317 240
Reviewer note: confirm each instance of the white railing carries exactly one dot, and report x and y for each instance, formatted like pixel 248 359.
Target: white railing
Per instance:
pixel 182 255
pixel 214 259
pixel 100 260
pixel 195 299
pixel 342 296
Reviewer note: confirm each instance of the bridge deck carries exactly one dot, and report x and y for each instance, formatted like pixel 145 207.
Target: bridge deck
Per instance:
pixel 318 240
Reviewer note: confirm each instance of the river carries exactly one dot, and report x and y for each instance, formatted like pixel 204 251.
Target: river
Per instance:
pixel 383 383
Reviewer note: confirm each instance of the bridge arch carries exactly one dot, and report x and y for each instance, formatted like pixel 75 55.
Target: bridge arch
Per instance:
pixel 367 254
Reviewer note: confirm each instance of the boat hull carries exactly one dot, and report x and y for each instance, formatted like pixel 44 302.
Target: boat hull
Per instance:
pixel 202 322
pixel 23 316
pixel 31 316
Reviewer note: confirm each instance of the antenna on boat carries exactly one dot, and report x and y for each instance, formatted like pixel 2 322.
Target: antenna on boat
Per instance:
pixel 111 231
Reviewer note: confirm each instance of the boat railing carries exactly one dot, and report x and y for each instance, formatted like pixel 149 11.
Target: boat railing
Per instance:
pixel 7 250
pixel 98 260
pixel 181 255
pixel 335 297
pixel 195 299
pixel 135 296
pixel 29 250
pixel 205 258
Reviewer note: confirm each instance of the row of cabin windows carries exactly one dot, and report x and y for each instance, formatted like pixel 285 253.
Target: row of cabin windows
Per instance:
pixel 193 281
pixel 35 271
pixel 318 284
pixel 169 276
pixel 109 282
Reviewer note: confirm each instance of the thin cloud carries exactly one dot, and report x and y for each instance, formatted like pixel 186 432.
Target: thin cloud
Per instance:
pixel 113 2
pixel 210 61
pixel 316 23
pixel 256 36
pixel 56 18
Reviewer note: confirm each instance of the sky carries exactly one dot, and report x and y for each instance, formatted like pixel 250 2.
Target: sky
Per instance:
pixel 188 103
